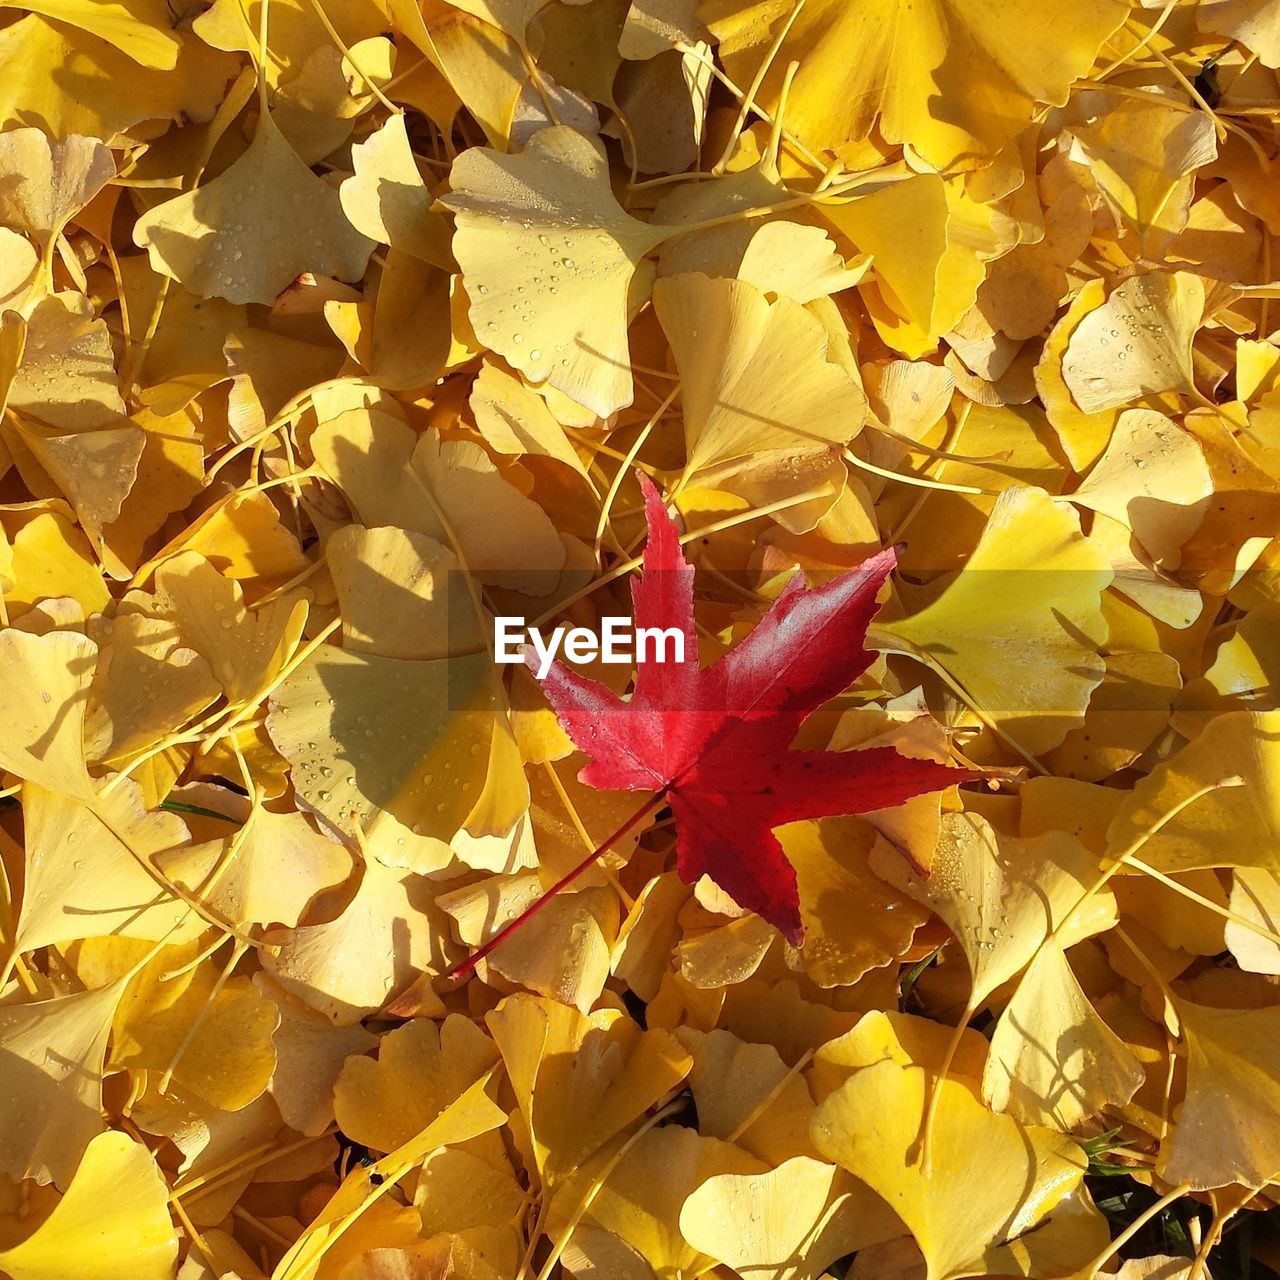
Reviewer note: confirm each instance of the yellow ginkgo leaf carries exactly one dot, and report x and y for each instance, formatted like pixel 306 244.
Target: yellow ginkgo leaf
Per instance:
pixel 870 1126
pixel 472 1114
pixel 903 1038
pixel 401 595
pixel 1247 664
pixel 894 60
pixel 1001 896
pixel 246 650
pixel 243 537
pixel 112 1224
pixel 1255 896
pixel 552 297
pixel 42 704
pixel 754 375
pixel 1228 1128
pixel 170 473
pixel 1053 1060
pixel 146 682
pixel 387 200
pixel 267 874
pixel 400 335
pixel 493 1196
pixel 423 743
pixel 448 1256
pixel 1232 825
pixel 1142 153
pixel 791 260
pixel 1159 1267
pixel 513 543
pixel 113 833
pixel 136 27
pixel 1128 711
pixel 310 1055
pixel 853 921
pixel 44 183
pixel 746 1094
pixel 1084 436
pixel 564 953
pixel 296 30
pixel 580 1079
pixel 232 237
pixel 790 1223
pixel 53 560
pixel 1252 22
pixel 347 967
pixel 928 244
pixel 514 419
pixel 641 1196
pixel 420 1069
pixel 653 27
pixel 51 1065
pixel 1153 479
pixel 1137 343
pixel 1018 628
pixel 110 94
pixel 67 379
pixel 213 1036
pixel 424 484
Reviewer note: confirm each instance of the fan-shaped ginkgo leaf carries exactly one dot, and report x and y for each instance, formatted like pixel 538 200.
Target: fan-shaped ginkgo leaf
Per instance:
pixel 789 1223
pixel 423 484
pixel 871 1125
pixel 115 834
pixel 420 1069
pixel 1228 827
pixel 580 1078
pixel 1053 1060
pixel 387 200
pixel 1019 627
pixel 1001 896
pixel 51 1064
pixel 754 374
pixel 893 60
pixel 112 1224
pixel 1228 1129
pixel 248 233
pixel 552 263
pixel 43 183
pixel 1137 343
pixel 1153 478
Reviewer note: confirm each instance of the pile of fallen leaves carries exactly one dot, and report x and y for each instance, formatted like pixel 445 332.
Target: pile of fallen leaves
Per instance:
pixel 919 363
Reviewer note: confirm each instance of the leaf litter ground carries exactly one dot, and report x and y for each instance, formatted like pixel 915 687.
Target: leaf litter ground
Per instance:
pixel 918 364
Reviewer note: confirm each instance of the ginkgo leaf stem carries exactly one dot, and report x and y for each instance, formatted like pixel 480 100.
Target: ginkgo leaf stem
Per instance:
pixel 597 1183
pixel 748 100
pixel 935 1087
pixel 905 477
pixel 625 469
pixel 1207 903
pixel 166 1077
pixel 1169 1016
pixel 1133 1228
pixel 468 963
pixel 1135 49
pixel 566 802
pixel 337 39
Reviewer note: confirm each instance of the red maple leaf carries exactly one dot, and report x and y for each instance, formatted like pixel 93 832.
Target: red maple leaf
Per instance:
pixel 715 741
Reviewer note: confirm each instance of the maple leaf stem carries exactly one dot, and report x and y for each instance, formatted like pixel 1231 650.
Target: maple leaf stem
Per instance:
pixel 468 963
